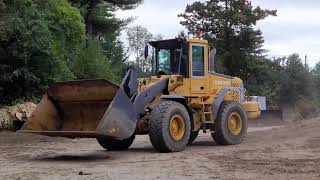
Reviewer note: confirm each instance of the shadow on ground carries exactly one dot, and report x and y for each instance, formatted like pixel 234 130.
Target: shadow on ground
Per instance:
pixel 73 158
pixel 203 143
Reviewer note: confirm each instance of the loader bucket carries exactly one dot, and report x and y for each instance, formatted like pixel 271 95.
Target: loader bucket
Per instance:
pixel 89 108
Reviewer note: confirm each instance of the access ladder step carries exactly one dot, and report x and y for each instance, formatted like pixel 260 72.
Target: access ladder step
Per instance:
pixel 207 117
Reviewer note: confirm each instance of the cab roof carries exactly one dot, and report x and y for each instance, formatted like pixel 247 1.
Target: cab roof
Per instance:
pixel 200 41
pixel 173 43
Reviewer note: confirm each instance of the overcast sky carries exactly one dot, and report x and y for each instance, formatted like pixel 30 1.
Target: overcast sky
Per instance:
pixel 295 29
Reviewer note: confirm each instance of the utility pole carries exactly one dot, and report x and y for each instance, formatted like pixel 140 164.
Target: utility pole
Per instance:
pixel 305 61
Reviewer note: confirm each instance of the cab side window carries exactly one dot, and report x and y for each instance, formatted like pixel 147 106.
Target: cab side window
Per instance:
pixel 197 60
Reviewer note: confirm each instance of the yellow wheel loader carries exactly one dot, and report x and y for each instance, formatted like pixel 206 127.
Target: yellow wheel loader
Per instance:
pixel 185 95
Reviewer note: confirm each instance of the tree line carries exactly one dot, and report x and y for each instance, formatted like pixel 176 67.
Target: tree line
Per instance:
pixel 43 41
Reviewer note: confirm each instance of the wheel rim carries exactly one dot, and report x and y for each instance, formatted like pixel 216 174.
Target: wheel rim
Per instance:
pixel 177 127
pixel 235 123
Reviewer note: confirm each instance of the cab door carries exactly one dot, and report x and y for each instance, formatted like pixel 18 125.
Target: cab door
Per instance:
pixel 198 69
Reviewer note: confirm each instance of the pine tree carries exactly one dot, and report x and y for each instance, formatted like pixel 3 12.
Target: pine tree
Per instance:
pixel 229 26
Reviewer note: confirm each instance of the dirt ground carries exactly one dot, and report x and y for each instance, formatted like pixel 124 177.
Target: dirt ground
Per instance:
pixel 270 151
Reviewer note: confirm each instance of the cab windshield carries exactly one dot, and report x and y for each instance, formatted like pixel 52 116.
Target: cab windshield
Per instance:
pixel 170 57
pixel 169 60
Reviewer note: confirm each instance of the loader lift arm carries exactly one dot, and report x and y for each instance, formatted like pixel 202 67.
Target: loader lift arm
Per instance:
pixel 141 99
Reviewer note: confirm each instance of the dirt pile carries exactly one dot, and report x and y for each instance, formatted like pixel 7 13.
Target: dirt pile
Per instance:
pixel 13 117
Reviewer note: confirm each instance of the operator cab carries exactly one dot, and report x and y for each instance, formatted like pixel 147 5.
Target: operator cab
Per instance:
pixel 170 57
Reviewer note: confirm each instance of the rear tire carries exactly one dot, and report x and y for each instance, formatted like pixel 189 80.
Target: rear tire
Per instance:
pixel 231 124
pixel 169 127
pixel 115 144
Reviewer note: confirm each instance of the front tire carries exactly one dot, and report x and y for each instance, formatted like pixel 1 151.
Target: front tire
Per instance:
pixel 231 124
pixel 115 144
pixel 169 127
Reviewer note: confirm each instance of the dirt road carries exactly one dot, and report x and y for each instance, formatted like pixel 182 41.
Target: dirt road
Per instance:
pixel 281 152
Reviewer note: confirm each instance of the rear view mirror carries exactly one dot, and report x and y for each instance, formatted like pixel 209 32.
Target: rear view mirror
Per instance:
pixel 211 60
pixel 146 51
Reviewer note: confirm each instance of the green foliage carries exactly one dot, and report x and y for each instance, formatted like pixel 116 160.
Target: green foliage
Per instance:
pixel 123 4
pixel 264 78
pixel 297 81
pixel 102 24
pixel 43 41
pixel 96 13
pixel 286 83
pixel 38 41
pixel 316 80
pixel 107 29
pixel 92 63
pixel 114 50
pixel 105 21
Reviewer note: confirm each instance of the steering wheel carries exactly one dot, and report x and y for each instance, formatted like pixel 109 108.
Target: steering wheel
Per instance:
pixel 165 66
